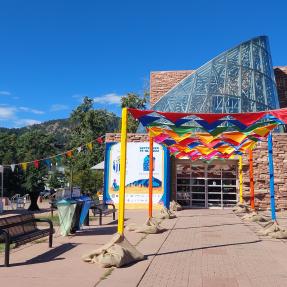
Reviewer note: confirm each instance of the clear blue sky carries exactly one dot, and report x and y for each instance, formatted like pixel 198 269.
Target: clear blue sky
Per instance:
pixel 53 52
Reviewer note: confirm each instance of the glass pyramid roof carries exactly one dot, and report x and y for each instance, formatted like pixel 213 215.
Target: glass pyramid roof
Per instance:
pixel 238 80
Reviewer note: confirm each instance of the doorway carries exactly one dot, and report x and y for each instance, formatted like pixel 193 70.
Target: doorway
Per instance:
pixel 206 185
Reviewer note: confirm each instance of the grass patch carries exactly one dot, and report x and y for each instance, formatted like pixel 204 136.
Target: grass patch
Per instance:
pixel 2 247
pixel 54 219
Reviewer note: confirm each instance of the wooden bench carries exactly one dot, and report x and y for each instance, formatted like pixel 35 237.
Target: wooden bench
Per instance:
pixel 103 209
pixel 21 229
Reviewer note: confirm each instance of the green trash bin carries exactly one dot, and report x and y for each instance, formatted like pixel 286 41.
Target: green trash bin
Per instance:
pixel 66 210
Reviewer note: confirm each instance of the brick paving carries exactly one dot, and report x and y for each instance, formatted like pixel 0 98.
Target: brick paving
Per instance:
pixel 201 248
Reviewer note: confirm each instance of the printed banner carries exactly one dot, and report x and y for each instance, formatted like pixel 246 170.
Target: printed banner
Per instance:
pixel 137 175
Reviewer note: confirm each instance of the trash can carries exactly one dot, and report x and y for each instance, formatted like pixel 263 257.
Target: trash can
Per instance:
pixel 66 211
pixel 76 217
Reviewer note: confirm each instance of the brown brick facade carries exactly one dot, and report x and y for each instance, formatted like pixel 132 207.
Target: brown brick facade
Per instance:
pixel 281 82
pixel 261 173
pixel 162 82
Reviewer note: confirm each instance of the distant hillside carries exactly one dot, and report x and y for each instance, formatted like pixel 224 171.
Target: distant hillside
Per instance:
pixel 60 128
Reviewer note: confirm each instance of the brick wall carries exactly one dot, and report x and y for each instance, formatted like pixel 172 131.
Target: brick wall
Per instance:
pixel 281 82
pixel 261 173
pixel 162 82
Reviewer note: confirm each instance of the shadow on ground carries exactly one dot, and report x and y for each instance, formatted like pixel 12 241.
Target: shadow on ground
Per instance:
pixel 51 255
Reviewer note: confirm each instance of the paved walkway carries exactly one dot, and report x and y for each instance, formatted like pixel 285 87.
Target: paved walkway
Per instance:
pixel 201 248
pixel 210 248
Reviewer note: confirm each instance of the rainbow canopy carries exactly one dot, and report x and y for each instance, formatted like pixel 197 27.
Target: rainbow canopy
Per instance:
pixel 207 136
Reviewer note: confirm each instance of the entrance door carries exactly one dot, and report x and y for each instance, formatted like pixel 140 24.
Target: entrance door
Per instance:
pixel 202 185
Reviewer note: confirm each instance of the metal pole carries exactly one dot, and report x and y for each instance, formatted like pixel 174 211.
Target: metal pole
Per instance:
pixel 150 176
pixel 271 174
pixel 123 154
pixel 240 180
pixel 2 187
pixel 252 204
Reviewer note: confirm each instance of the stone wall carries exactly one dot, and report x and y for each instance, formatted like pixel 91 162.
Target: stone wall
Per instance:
pixel 261 173
pixel 162 82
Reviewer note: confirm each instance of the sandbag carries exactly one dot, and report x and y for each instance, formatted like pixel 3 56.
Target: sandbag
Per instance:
pixel 166 214
pixel 118 252
pixel 274 230
pixel 255 217
pixel 241 208
pixel 175 206
pixel 151 226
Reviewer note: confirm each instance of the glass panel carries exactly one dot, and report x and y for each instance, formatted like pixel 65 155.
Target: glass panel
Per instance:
pixel 198 189
pixel 239 72
pixel 197 171
pixel 183 170
pixel 183 181
pixel 212 182
pixel 229 182
pixel 196 181
pixel 214 171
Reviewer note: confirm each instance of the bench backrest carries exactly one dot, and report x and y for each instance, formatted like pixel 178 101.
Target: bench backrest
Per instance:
pixel 10 225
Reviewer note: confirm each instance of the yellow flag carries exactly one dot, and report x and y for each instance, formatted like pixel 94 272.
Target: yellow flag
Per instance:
pixel 24 166
pixel 90 146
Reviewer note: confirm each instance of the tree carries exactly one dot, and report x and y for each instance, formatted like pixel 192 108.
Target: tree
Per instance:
pixel 88 124
pixel 132 100
pixel 30 146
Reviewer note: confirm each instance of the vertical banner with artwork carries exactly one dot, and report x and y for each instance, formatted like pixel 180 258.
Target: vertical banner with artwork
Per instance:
pixel 137 174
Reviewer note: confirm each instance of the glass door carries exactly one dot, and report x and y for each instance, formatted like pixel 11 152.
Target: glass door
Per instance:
pixel 198 186
pixel 183 194
pixel 214 185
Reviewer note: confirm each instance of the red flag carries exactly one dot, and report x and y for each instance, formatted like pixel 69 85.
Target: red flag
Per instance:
pixel 36 163
pixel 100 140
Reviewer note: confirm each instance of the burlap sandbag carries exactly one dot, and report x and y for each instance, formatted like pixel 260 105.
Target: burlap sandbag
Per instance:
pixel 175 206
pixel 151 226
pixel 166 214
pixel 241 208
pixel 118 252
pixel 255 217
pixel 274 230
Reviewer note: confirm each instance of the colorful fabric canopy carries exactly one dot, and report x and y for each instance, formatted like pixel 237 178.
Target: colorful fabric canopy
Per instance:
pixel 207 136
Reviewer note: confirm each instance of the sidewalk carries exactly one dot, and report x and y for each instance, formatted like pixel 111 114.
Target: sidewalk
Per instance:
pixel 201 248
pixel 208 248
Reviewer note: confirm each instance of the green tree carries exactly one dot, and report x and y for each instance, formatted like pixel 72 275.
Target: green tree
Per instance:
pixel 88 124
pixel 30 146
pixel 56 179
pixel 132 100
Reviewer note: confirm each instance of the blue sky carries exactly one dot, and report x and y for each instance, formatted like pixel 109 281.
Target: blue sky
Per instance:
pixel 54 52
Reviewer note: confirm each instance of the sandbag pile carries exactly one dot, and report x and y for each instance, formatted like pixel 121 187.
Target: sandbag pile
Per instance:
pixel 273 230
pixel 255 217
pixel 166 214
pixel 241 208
pixel 118 252
pixel 151 226
pixel 175 206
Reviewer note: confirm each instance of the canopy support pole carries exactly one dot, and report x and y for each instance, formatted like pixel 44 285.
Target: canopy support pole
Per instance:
pixel 252 204
pixel 271 174
pixel 123 155
pixel 240 181
pixel 150 176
